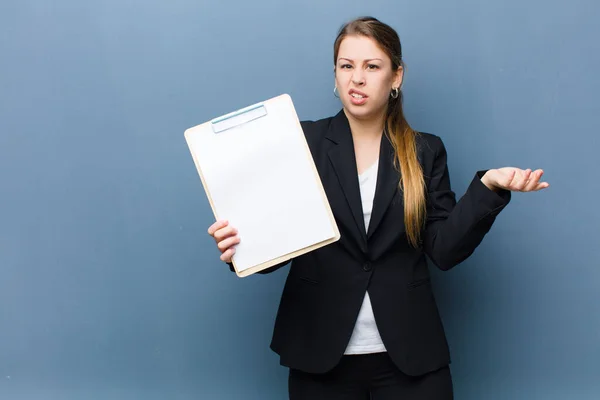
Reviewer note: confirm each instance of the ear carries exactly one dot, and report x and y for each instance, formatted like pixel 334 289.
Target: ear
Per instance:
pixel 398 78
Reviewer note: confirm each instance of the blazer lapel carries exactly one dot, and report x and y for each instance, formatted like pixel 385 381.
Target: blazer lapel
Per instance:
pixel 343 160
pixel 388 178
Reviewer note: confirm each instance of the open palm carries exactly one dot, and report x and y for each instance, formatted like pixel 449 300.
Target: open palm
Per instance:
pixel 515 179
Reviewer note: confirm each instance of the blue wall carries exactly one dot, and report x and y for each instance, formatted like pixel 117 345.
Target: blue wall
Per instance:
pixel 110 286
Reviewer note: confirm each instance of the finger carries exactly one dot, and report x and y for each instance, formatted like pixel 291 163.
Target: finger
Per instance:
pixel 224 233
pixel 226 256
pixel 533 181
pixel 522 180
pixel 510 180
pixel 216 226
pixel 227 243
pixel 542 185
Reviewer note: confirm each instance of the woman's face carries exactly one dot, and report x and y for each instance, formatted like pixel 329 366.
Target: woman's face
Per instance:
pixel 364 77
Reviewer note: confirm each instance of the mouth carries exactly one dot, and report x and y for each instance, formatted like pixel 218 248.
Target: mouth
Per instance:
pixel 357 98
pixel 357 94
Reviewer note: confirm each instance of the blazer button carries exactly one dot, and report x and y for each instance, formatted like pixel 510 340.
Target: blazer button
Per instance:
pixel 367 266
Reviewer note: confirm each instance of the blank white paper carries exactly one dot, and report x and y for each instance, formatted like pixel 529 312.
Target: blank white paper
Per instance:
pixel 261 179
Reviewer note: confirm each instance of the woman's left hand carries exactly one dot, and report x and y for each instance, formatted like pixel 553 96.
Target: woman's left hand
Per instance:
pixel 514 179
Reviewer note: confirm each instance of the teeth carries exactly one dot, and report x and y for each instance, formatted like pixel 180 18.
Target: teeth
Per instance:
pixel 356 96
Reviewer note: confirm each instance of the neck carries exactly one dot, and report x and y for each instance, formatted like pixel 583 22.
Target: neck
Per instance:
pixel 366 129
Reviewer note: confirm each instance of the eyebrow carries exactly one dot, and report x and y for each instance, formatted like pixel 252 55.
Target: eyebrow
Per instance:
pixel 370 59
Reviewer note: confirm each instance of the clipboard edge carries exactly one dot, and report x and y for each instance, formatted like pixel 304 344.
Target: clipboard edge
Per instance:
pixel 257 268
pixel 213 208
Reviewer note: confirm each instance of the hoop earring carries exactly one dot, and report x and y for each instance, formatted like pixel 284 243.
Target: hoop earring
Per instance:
pixel 335 92
pixel 395 93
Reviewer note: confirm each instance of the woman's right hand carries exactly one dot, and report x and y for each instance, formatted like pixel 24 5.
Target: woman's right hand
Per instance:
pixel 226 237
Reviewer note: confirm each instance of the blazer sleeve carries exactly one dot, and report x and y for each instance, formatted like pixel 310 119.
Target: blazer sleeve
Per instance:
pixel 454 230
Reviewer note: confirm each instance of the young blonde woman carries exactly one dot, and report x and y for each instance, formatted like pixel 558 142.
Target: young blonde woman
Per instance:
pixel 357 318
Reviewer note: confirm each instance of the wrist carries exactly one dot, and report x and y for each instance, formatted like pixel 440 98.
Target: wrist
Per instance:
pixel 486 180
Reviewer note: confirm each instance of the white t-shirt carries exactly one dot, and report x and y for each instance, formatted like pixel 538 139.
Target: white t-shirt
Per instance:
pixel 365 337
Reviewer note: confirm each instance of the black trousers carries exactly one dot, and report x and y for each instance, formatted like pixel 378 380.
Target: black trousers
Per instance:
pixel 369 377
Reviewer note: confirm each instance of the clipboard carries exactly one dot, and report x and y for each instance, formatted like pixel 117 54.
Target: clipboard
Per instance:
pixel 258 173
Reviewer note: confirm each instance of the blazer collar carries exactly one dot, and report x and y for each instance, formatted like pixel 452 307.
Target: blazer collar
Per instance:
pixel 388 178
pixel 343 160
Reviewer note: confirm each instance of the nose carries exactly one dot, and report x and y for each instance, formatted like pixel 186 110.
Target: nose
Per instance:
pixel 358 78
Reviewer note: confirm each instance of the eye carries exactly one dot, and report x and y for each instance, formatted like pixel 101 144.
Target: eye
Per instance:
pixel 345 66
pixel 373 66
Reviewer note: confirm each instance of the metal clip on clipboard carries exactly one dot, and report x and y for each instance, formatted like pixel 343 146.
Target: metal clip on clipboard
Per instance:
pixel 238 118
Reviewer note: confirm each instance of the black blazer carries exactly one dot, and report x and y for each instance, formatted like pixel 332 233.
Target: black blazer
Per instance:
pixel 325 288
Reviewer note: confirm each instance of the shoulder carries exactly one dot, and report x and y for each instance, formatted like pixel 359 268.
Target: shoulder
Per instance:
pixel 429 142
pixel 315 130
pixel 431 151
pixel 314 127
pixel 430 145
